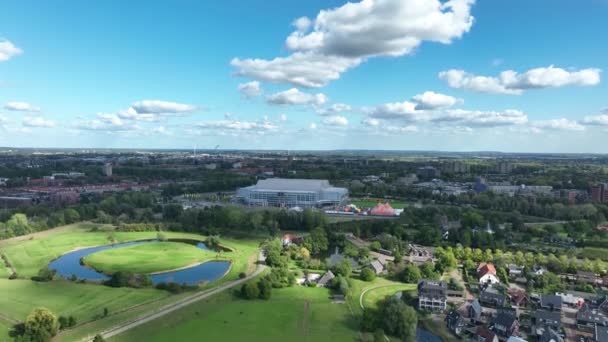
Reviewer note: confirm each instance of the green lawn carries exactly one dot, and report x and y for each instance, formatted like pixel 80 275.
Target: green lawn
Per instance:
pixel 148 258
pixel 292 314
pixel 86 301
pixel 4 329
pixel 372 297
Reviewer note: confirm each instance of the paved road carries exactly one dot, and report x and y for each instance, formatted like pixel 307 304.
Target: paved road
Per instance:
pixel 125 326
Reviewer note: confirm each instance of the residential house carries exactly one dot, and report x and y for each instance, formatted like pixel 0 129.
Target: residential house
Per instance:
pixel 325 280
pixel 420 254
pixel 551 302
pixel 517 297
pixel 538 270
pixel 544 318
pixel 583 277
pixel 515 271
pixel 475 311
pixel 600 334
pixel 571 300
pixel 455 322
pixel 486 273
pixel 289 239
pixel 587 318
pixel 482 334
pixel 432 295
pixel 505 324
pixel 337 257
pixel 376 266
pixel 600 303
pixel 550 335
pixel 491 297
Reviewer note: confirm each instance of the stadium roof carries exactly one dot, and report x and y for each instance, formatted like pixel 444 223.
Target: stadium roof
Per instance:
pixel 292 184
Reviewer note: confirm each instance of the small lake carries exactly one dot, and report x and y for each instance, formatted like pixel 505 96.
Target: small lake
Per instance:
pixel 69 264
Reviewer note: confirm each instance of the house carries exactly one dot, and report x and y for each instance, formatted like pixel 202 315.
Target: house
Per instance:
pixel 455 322
pixel 600 334
pixel 486 273
pixel 420 254
pixel 337 257
pixel 517 297
pixel 543 320
pixel 583 277
pixel 550 335
pixel 538 270
pixel 587 318
pixel 491 297
pixel 289 239
pixel 325 280
pixel 551 302
pixel 432 295
pixel 482 334
pixel 505 324
pixel 475 311
pixel 515 271
pixel 600 303
pixel 376 266
pixel 571 300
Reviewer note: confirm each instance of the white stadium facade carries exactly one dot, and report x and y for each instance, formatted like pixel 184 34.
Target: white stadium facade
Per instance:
pixel 289 193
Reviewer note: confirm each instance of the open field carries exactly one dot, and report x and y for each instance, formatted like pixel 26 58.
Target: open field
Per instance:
pixel 86 301
pixel 4 329
pixel 148 258
pixel 372 297
pixel 360 287
pixel 28 256
pixel 292 314
pixel 372 202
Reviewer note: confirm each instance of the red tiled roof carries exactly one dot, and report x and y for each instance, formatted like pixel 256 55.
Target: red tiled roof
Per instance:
pixel 485 268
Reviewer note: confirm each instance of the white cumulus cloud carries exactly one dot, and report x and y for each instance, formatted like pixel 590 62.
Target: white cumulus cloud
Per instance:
pixel 8 50
pixel 37 121
pixel 559 124
pixel 335 108
pixel 432 100
pixel 337 120
pixel 250 89
pixel 294 96
pixel 513 83
pixel 21 107
pixel 162 107
pixel 342 38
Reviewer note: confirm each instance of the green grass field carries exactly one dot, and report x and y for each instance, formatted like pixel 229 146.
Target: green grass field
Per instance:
pixel 86 301
pixel 372 202
pixel 292 314
pixel 372 297
pixel 148 258
pixel 4 329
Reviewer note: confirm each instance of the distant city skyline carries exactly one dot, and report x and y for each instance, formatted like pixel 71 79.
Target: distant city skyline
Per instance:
pixel 458 75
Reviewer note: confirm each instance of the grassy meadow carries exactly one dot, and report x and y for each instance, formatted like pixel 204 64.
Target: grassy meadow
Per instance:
pixel 292 314
pixel 148 258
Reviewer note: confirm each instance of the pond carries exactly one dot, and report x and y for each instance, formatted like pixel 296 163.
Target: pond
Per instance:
pixel 69 264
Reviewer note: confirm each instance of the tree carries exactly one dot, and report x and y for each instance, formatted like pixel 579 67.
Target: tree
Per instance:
pixel 375 246
pixel 71 216
pixel 304 253
pixel 98 338
pixel 410 274
pixel 427 270
pixel 344 268
pixel 250 291
pixel 265 289
pixel 367 274
pixel 160 236
pixel 41 325
pixel 316 242
pixel 399 319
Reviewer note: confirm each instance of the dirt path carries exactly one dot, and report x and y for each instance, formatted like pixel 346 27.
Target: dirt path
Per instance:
pixel 8 319
pixel 167 309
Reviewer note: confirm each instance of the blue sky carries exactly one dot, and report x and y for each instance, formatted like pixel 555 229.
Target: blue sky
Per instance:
pixel 456 75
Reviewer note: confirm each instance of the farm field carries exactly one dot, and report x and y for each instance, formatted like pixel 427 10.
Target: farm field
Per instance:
pixel 148 258
pixel 292 314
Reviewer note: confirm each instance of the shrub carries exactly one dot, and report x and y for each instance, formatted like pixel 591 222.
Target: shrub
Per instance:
pixel 98 338
pixel 13 276
pixel 250 291
pixel 242 275
pixel 367 274
pixel 44 275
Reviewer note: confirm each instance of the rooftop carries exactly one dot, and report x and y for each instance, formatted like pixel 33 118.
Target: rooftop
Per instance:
pixel 292 184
